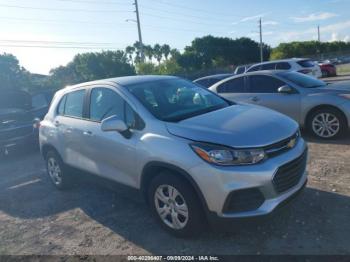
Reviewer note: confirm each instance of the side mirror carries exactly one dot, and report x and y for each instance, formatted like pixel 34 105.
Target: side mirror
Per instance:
pixel 113 123
pixel 285 90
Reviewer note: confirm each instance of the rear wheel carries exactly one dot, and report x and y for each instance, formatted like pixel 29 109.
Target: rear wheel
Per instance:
pixel 175 205
pixel 57 171
pixel 327 123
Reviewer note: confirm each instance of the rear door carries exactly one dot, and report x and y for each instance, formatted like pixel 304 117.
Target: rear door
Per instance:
pixel 234 90
pixel 264 91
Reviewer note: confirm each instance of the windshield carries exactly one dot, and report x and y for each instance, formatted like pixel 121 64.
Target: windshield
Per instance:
pixel 176 99
pixel 302 80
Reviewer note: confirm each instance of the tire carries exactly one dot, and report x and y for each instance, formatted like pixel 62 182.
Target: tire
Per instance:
pixel 329 121
pixel 59 177
pixel 182 226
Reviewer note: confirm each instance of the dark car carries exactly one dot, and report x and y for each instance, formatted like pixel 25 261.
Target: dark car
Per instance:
pixel 41 102
pixel 208 81
pixel 16 120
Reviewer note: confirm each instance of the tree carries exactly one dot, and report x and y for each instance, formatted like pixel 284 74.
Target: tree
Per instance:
pixel 92 66
pixel 12 75
pixel 129 50
pixel 158 52
pixel 148 52
pixel 165 49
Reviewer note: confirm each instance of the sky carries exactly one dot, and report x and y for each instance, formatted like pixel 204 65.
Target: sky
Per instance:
pixel 46 34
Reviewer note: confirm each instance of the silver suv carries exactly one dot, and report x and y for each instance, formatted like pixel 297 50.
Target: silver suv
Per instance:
pixel 194 155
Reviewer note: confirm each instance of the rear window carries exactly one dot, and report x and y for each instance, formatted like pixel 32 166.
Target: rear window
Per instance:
pixel 269 66
pixel 306 63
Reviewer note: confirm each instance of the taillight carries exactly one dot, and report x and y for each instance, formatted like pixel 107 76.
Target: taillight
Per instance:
pixel 305 71
pixel 36 123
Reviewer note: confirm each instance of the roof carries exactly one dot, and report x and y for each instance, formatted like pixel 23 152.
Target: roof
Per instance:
pixel 214 76
pixel 281 60
pixel 125 80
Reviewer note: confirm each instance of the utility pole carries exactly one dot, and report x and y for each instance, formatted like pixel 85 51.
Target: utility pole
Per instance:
pixel 139 30
pixel 261 41
pixel 318 34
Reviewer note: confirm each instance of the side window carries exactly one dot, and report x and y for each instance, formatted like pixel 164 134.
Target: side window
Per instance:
pixel 269 66
pixel 39 101
pixel 264 84
pixel 62 104
pixel 105 103
pixel 232 86
pixel 283 66
pixel 74 104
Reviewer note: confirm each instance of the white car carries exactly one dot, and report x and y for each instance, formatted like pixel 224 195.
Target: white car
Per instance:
pixel 301 65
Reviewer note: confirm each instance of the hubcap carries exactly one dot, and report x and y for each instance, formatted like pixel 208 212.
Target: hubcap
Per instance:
pixel 325 125
pixel 54 171
pixel 171 206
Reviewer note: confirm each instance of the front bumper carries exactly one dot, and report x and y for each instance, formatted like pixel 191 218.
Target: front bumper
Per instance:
pixel 217 183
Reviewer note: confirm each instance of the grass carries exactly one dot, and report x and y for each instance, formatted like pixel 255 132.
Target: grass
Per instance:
pixel 343 69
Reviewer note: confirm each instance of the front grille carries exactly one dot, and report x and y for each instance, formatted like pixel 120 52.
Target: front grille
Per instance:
pixel 15 133
pixel 289 175
pixel 282 146
pixel 243 200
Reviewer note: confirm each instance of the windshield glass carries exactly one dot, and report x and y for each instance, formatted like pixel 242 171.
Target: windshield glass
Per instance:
pixel 302 80
pixel 176 99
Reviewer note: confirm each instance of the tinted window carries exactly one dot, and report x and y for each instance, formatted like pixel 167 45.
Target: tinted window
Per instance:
pixel 283 66
pixel 254 68
pixel 39 101
pixel 20 100
pixel 264 84
pixel 74 104
pixel 240 70
pixel 232 86
pixel 61 106
pixel 176 99
pixel 269 66
pixel 306 63
pixel 105 103
pixel 302 80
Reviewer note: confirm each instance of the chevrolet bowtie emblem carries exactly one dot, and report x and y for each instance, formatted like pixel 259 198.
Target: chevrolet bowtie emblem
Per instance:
pixel 291 143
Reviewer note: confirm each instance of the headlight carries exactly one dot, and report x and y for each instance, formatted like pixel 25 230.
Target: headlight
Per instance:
pixel 224 156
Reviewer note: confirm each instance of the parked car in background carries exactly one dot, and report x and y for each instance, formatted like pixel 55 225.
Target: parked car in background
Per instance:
pixel 41 102
pixel 328 69
pixel 194 155
pixel 324 109
pixel 301 65
pixel 208 81
pixel 241 69
pixel 16 121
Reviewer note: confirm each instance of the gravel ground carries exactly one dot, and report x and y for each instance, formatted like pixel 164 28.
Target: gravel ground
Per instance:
pixel 92 219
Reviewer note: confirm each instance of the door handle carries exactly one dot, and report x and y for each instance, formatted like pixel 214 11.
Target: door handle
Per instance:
pixel 255 99
pixel 87 133
pixel 57 123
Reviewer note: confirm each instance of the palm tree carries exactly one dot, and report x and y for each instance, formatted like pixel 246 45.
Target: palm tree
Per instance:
pixel 174 53
pixel 129 50
pixel 158 54
pixel 148 52
pixel 165 50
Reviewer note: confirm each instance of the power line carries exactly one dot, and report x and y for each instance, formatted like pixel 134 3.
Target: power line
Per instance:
pixel 65 9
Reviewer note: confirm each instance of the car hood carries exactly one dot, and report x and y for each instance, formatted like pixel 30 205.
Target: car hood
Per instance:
pixel 238 126
pixel 339 87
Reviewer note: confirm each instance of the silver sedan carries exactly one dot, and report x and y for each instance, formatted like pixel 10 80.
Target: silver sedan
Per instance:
pixel 323 109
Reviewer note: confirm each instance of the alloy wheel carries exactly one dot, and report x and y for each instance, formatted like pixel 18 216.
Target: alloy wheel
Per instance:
pixel 54 171
pixel 326 125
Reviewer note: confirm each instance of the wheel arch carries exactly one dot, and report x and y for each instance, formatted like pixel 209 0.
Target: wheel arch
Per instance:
pixel 324 106
pixel 48 147
pixel 152 169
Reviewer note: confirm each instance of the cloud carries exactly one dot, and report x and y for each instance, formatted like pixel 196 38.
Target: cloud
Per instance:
pixel 266 23
pixel 250 18
pixel 314 17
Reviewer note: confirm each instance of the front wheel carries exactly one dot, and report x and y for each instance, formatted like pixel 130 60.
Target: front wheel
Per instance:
pixel 175 205
pixel 327 123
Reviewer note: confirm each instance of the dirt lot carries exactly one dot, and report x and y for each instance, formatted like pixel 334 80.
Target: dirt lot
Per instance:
pixel 91 219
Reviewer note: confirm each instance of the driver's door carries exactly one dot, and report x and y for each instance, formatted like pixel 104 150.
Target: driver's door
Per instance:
pixel 110 154
pixel 263 91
